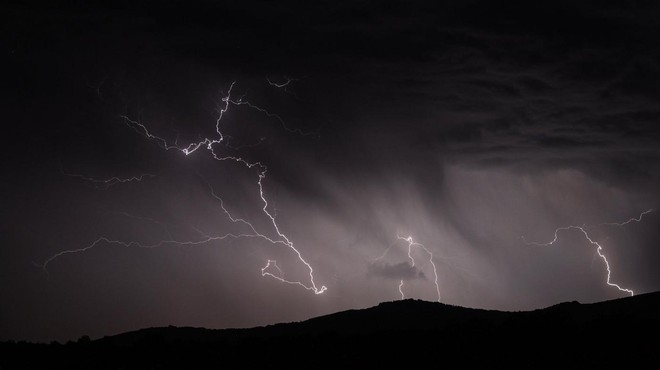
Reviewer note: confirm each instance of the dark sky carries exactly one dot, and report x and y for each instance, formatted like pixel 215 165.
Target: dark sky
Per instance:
pixel 466 125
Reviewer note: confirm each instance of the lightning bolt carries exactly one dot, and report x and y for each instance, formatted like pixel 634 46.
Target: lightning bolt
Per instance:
pixel 241 101
pixel 284 84
pixel 209 144
pixel 411 244
pixel 105 183
pixel 633 219
pixel 160 244
pixel 281 278
pixel 599 248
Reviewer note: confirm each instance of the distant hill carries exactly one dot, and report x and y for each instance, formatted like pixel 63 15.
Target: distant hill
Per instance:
pixel 620 332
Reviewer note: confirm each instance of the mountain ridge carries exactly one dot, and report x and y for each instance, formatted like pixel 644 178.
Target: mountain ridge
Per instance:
pixel 436 306
pixel 565 334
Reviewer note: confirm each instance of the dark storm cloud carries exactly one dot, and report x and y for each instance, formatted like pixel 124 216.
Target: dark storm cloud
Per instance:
pixel 397 271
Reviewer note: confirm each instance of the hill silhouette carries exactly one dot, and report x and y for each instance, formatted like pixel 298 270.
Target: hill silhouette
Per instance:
pixel 620 332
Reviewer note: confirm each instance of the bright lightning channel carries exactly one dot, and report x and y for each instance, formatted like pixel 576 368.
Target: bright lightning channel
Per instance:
pixel 599 248
pixel 411 244
pixel 209 144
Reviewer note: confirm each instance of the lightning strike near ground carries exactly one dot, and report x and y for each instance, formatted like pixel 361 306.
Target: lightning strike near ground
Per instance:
pixel 599 248
pixel 411 244
pixel 210 144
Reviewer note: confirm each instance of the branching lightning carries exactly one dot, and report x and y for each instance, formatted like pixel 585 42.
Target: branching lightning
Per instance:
pixel 275 236
pixel 280 277
pixel 210 145
pixel 599 248
pixel 410 244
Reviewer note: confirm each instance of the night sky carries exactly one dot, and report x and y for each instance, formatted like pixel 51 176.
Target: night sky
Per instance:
pixel 466 125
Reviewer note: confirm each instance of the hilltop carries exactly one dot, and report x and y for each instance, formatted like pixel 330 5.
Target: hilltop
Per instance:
pixel 404 332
